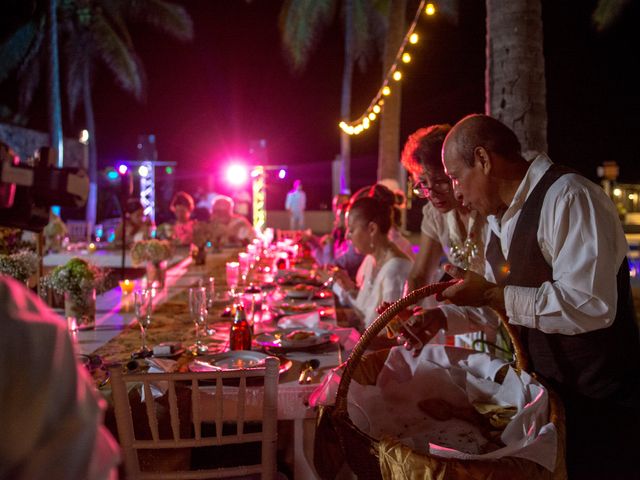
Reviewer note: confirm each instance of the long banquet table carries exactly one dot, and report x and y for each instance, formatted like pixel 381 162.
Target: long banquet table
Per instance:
pixel 117 335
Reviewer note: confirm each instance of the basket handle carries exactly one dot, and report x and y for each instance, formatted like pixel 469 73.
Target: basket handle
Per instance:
pixel 389 314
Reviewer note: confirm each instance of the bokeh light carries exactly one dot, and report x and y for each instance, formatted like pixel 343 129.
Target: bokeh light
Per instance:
pixel 282 173
pixel 237 174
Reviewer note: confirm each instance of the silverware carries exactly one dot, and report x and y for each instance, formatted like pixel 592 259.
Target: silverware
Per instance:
pixel 326 284
pixel 307 370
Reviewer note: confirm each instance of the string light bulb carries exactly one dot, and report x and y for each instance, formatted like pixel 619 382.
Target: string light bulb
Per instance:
pixel 374 109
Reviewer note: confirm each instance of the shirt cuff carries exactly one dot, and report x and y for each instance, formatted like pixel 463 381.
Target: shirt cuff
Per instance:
pixel 520 305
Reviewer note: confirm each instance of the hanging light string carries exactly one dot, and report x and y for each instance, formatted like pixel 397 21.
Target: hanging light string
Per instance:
pixel 394 73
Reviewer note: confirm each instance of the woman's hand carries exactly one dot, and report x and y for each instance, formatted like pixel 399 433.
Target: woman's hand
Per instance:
pixel 342 278
pixel 421 327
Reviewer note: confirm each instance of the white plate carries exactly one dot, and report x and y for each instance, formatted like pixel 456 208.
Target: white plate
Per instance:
pixel 285 338
pixel 233 360
pixel 285 308
pixel 301 291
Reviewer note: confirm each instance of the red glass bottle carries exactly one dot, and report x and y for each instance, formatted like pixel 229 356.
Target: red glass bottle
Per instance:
pixel 240 336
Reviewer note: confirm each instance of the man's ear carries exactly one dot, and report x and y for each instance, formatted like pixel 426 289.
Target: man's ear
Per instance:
pixel 483 159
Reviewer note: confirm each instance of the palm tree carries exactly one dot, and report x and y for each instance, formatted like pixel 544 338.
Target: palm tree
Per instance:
pixel 91 31
pixel 301 23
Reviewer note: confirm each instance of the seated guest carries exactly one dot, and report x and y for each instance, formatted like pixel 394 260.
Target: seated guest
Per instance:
pixel 385 267
pixel 50 411
pixel 54 233
pixel 229 228
pixel 380 190
pixel 335 249
pixel 182 205
pixel 139 226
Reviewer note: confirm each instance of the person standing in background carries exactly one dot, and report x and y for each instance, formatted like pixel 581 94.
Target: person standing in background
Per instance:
pixel 295 204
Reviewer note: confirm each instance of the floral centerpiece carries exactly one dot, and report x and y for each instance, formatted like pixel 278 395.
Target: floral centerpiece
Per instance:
pixel 153 250
pixel 79 281
pixel 11 241
pixel 202 233
pixel 20 265
pixel 155 253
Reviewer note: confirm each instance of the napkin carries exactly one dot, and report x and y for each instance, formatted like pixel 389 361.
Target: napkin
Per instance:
pixel 301 320
pixel 158 365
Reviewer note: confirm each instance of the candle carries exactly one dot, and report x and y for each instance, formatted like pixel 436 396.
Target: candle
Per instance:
pixel 126 286
pixel 91 247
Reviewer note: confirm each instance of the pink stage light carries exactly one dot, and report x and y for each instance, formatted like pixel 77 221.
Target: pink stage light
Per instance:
pixel 237 174
pixel 122 169
pixel 282 173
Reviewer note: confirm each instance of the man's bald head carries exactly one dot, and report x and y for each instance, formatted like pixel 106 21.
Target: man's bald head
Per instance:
pixel 482 131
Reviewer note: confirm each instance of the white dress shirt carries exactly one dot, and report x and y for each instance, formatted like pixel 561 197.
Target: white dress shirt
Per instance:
pixel 50 413
pixel 581 238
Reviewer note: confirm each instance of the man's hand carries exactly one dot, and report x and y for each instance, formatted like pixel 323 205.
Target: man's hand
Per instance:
pixel 421 327
pixel 473 290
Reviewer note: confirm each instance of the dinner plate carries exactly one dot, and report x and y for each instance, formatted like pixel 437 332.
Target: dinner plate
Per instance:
pixel 294 338
pixel 285 308
pixel 234 360
pixel 300 291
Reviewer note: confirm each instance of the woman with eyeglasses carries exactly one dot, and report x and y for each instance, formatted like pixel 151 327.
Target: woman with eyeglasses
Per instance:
pixel 448 228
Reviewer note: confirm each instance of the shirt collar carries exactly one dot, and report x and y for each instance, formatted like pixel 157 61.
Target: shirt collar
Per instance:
pixel 537 169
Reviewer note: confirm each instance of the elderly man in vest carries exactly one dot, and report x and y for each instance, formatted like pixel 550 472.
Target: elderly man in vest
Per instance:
pixel 557 266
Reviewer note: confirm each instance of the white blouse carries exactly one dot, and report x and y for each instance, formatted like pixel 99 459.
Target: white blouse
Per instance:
pixel 384 286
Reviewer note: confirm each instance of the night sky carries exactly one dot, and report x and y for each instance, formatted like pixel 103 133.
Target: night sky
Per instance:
pixel 209 99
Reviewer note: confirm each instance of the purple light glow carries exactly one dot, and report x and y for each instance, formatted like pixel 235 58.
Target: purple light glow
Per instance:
pixel 237 174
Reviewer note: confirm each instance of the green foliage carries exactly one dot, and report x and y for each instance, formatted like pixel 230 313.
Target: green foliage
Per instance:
pixel 607 12
pixel 77 277
pixel 153 250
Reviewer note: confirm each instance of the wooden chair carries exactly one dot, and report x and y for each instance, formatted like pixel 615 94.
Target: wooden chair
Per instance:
pixel 206 390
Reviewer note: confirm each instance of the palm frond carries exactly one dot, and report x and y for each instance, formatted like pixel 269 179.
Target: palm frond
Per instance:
pixel 607 12
pixel 370 21
pixel 166 16
pixel 301 23
pixel 113 12
pixel 118 58
pixel 15 49
pixel 29 78
pixel 77 56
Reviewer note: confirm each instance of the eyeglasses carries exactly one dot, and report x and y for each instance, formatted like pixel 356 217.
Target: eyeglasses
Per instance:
pixel 422 190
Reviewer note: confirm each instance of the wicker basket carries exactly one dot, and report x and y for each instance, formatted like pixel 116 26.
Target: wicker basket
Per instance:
pixel 361 450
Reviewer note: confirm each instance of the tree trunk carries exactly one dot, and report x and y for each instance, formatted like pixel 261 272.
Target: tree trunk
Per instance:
pixel 515 75
pixel 92 201
pixel 53 74
pixel 345 102
pixel 389 138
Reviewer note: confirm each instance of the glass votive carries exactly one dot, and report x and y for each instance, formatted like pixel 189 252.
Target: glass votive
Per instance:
pixel 252 299
pixel 126 286
pixel 244 259
pixel 233 275
pixel 91 248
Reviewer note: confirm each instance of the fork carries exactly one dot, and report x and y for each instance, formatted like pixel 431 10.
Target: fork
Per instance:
pixel 326 284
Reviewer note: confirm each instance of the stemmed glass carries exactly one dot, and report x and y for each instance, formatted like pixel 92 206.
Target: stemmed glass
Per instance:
pixel 233 274
pixel 209 286
pixel 198 310
pixel 143 307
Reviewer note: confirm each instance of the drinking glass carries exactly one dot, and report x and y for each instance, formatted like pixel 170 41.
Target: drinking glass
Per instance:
pixel 244 262
pixel 198 311
pixel 233 274
pixel 143 307
pixel 209 286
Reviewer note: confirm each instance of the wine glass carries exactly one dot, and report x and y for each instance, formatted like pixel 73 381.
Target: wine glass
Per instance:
pixel 209 286
pixel 198 311
pixel 143 307
pixel 233 274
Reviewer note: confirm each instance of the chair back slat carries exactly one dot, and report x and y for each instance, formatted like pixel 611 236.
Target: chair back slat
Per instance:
pixel 223 404
pixel 152 419
pixel 241 404
pixel 173 411
pixel 195 406
pixel 219 413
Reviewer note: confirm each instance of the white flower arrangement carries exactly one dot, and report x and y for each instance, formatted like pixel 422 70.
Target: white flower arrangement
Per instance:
pixel 77 277
pixel 20 265
pixel 153 250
